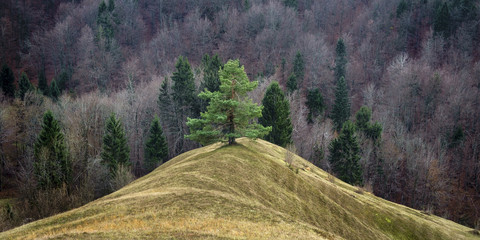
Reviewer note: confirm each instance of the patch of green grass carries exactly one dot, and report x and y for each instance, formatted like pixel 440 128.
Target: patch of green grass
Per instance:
pixel 245 191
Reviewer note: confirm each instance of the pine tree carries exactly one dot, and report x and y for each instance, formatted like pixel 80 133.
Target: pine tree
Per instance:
pixel 115 150
pixel 42 83
pixel 299 68
pixel 442 23
pixel 24 85
pixel 292 83
pixel 345 155
pixel 156 149
pixel 7 80
pixel 314 104
pixel 54 91
pixel 341 107
pixel 231 114
pixel 52 166
pixel 276 113
pixel 340 60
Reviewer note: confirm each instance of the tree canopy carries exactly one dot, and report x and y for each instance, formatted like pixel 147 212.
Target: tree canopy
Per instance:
pixel 230 114
pixel 276 113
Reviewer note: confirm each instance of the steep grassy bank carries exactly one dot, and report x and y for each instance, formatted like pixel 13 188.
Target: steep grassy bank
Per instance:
pixel 240 192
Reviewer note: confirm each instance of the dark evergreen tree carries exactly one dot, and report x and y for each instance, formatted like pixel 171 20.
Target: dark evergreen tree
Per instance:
pixel 314 104
pixel 106 21
pixel 54 91
pixel 156 149
pixel 299 68
pixel 276 113
pixel 341 107
pixel 185 101
pixel 443 20
pixel 292 83
pixel 52 166
pixel 363 124
pixel 115 150
pixel 183 85
pixel 340 60
pixel 211 66
pixel 401 8
pixel 291 3
pixel 42 83
pixel 62 80
pixel 362 118
pixel 7 80
pixel 345 155
pixel 24 85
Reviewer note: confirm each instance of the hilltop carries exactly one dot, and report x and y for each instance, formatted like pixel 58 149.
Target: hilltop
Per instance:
pixel 245 191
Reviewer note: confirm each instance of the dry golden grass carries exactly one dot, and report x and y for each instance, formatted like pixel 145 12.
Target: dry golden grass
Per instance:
pixel 245 191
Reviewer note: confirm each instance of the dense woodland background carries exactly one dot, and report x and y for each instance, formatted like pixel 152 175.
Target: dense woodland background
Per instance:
pixel 415 63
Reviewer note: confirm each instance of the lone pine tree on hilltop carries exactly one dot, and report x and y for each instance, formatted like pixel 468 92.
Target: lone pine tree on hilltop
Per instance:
pixel 230 114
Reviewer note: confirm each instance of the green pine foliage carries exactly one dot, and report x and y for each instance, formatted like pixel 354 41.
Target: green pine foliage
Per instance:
pixel 115 150
pixel 42 83
pixel 443 20
pixel 24 85
pixel 54 90
pixel 276 114
pixel 340 59
pixel 345 156
pixel 341 107
pixel 315 104
pixel 299 67
pixel 52 166
pixel 230 114
pixel 7 80
pixel 292 83
pixel 156 149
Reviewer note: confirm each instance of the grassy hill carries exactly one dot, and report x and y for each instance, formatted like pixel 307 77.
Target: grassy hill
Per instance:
pixel 245 191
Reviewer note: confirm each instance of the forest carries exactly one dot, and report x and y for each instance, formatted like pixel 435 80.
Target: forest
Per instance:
pixel 111 81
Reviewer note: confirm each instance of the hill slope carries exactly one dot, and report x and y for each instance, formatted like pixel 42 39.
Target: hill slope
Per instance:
pixel 244 191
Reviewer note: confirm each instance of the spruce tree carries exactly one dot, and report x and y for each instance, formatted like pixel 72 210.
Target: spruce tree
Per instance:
pixel 183 85
pixel 362 118
pixel 299 68
pixel 314 104
pixel 156 149
pixel 211 66
pixel 443 21
pixel 292 83
pixel 42 83
pixel 230 114
pixel 291 3
pixel 345 156
pixel 115 150
pixel 24 85
pixel 340 60
pixel 7 80
pixel 276 113
pixel 52 166
pixel 341 107
pixel 363 124
pixel 54 90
